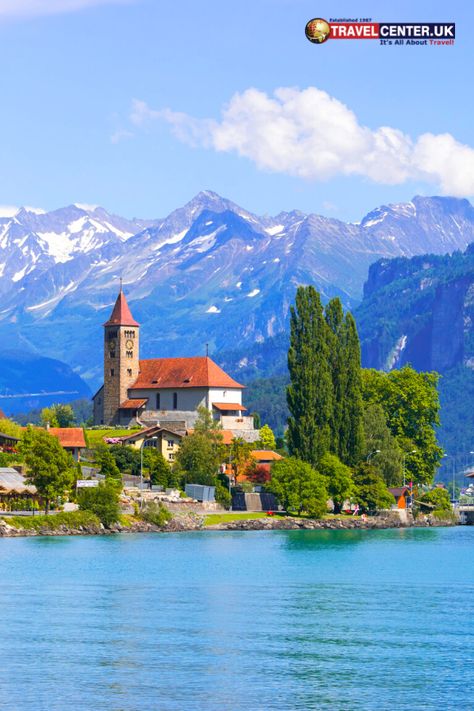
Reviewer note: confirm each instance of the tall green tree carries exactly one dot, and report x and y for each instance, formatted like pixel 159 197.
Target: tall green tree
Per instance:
pixel 298 487
pixel 388 460
pixel 411 405
pixel 310 393
pixel 49 417
pixel 334 315
pixel 49 467
pixel 352 427
pixel 58 415
pixel 267 438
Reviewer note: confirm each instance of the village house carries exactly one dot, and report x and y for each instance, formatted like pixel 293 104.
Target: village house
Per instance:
pixel 166 441
pixel 165 392
pixel 401 495
pixel 70 438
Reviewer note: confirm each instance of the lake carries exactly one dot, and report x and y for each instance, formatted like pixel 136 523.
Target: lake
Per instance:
pixel 238 620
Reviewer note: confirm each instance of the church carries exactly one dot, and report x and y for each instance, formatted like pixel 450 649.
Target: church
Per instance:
pixel 162 391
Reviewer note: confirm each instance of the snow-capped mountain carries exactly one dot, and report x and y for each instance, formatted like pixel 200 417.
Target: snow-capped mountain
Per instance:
pixel 210 272
pixel 32 240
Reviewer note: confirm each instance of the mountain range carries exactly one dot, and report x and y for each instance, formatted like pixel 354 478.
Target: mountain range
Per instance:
pixel 210 272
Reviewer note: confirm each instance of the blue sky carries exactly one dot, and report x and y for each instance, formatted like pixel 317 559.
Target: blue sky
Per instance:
pixel 120 103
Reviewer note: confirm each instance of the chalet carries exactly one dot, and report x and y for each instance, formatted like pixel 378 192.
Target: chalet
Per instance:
pixel 167 441
pixel 401 495
pixel 162 391
pixel 71 439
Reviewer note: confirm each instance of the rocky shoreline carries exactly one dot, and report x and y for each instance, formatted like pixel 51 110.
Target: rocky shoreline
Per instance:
pixel 194 522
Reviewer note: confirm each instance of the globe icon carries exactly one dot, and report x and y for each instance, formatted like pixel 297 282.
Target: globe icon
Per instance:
pixel 317 30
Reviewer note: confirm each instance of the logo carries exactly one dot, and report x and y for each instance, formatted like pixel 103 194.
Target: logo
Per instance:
pixel 317 30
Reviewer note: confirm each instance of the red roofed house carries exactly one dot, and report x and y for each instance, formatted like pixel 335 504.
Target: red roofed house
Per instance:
pixel 162 390
pixel 71 439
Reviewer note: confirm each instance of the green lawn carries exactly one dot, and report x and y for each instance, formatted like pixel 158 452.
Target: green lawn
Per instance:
pixel 213 519
pixel 95 437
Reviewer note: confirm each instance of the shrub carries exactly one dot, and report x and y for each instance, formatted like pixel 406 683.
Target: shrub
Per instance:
pixel 156 514
pixel 371 492
pixel 298 487
pixel 223 496
pixel 103 501
pixel 438 498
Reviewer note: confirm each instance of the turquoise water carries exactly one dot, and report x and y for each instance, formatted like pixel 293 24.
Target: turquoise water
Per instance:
pixel 230 621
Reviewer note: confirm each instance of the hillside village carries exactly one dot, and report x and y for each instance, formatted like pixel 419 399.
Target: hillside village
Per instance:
pixel 172 437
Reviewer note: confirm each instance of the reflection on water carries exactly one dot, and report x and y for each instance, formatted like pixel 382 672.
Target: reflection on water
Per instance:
pixel 260 620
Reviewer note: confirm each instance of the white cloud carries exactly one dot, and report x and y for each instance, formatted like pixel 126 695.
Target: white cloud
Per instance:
pixel 310 134
pixel 120 134
pixel 8 210
pixel 35 8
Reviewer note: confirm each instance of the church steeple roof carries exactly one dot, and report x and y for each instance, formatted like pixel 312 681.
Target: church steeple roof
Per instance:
pixel 121 314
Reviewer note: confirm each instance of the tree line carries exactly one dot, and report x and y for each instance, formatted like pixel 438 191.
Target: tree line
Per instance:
pixel 359 430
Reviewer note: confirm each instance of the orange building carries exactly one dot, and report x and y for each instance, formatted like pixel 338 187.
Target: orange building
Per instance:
pixel 401 494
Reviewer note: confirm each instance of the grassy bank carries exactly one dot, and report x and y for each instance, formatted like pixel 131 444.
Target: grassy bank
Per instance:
pixel 213 519
pixel 69 519
pixel 95 437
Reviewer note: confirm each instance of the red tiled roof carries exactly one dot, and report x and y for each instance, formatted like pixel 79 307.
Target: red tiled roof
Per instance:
pixel 265 455
pixel 69 436
pixel 228 406
pixel 182 373
pixel 133 404
pixel 121 314
pixel 227 435
pixel 2 415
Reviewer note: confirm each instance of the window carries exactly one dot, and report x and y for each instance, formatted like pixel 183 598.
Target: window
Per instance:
pixel 129 354
pixel 129 372
pixel 170 444
pixel 112 372
pixel 175 401
pixel 170 456
pixel 158 401
pixel 112 354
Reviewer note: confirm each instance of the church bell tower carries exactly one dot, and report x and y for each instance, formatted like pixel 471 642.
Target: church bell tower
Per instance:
pixel 121 358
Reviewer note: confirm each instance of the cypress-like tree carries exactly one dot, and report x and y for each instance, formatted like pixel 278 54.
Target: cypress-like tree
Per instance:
pixel 334 315
pixel 309 395
pixel 352 426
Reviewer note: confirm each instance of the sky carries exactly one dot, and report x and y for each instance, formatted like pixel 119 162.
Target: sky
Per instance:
pixel 137 105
